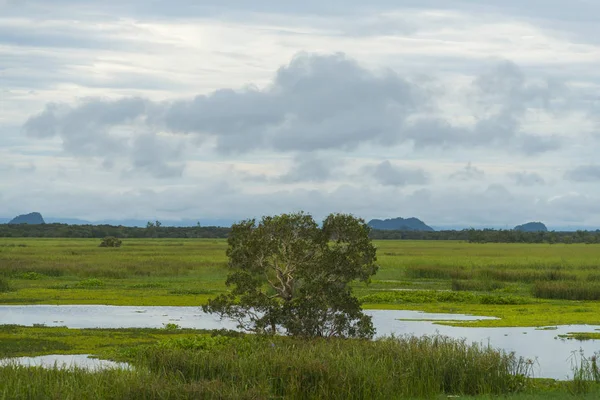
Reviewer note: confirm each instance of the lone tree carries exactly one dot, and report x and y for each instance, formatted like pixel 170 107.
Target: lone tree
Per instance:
pixel 289 275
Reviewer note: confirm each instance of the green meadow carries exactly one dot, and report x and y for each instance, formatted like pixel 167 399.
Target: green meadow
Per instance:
pixel 521 284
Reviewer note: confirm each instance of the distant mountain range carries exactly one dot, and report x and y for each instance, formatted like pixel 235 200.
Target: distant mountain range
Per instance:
pixel 400 224
pixel 410 224
pixel 125 222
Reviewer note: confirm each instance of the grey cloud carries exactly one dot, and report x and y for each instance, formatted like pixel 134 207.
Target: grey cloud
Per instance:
pixel 585 173
pixel 388 174
pixel 309 168
pixel 527 178
pixel 95 129
pixel 316 102
pixel 469 172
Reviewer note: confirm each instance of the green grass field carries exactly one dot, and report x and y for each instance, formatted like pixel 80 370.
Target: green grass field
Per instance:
pixel 522 284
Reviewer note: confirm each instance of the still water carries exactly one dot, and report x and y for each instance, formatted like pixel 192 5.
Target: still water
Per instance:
pixel 553 355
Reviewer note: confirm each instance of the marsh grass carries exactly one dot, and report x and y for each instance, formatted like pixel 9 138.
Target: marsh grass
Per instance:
pixel 527 275
pixel 477 286
pixel 567 291
pixel 390 368
pixel 4 285
pixel 436 272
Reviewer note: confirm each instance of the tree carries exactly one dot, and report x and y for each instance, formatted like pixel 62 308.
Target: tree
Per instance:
pixel 290 275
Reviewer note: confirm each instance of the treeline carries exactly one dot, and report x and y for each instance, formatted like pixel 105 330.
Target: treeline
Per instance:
pixel 492 236
pixel 101 231
pixel 212 232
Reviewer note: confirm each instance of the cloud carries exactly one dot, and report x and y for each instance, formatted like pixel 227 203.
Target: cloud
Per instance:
pixel 309 168
pixel 468 173
pixel 527 178
pixel 95 129
pixel 388 174
pixel 316 102
pixel 585 173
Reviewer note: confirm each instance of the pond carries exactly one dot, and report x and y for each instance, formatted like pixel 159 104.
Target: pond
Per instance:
pixel 64 361
pixel 553 354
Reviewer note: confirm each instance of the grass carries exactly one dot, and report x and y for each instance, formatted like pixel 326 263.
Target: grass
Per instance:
pixel 202 365
pixel 522 284
pixel 488 279
pixel 566 291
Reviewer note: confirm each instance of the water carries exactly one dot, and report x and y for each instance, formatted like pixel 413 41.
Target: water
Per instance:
pixel 64 361
pixel 553 354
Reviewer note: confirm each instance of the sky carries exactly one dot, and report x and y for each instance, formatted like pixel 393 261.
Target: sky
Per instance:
pixel 458 112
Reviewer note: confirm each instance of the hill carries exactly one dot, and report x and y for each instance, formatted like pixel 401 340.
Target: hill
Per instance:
pixel 31 219
pixel 531 227
pixel 400 224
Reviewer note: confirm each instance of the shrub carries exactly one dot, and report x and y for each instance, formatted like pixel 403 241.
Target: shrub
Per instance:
pixel 111 241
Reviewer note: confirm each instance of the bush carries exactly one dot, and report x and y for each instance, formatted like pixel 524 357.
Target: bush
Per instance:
pixel 111 241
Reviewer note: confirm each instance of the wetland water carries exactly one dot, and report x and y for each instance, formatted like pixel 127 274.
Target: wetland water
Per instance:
pixel 553 355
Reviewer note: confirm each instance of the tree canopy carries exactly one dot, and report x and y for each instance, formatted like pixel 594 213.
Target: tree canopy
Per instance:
pixel 290 275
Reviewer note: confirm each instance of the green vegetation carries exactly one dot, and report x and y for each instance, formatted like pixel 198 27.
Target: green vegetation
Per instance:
pixel 173 364
pixel 455 277
pixel 500 280
pixel 111 241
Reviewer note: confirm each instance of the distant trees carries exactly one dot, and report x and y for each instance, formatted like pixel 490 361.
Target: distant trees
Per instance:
pixel 288 274
pixel 470 235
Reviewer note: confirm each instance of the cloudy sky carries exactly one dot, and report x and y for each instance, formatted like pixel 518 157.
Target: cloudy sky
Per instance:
pixel 456 112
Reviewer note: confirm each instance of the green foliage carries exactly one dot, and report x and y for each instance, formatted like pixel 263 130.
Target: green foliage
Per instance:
pixel 432 296
pixel 171 327
pixel 91 283
pixel 290 274
pixel 419 296
pixel 111 241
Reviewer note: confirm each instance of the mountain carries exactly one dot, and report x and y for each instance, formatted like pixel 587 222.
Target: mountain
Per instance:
pixel 31 219
pixel 532 227
pixel 400 224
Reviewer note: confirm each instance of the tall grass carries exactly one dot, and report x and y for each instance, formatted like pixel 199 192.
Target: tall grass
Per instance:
pixel 437 272
pixel 404 367
pixel 527 275
pixel 567 290
pixel 4 285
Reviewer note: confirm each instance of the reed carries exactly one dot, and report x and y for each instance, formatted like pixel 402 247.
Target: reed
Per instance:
pixel 567 290
pixel 402 367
